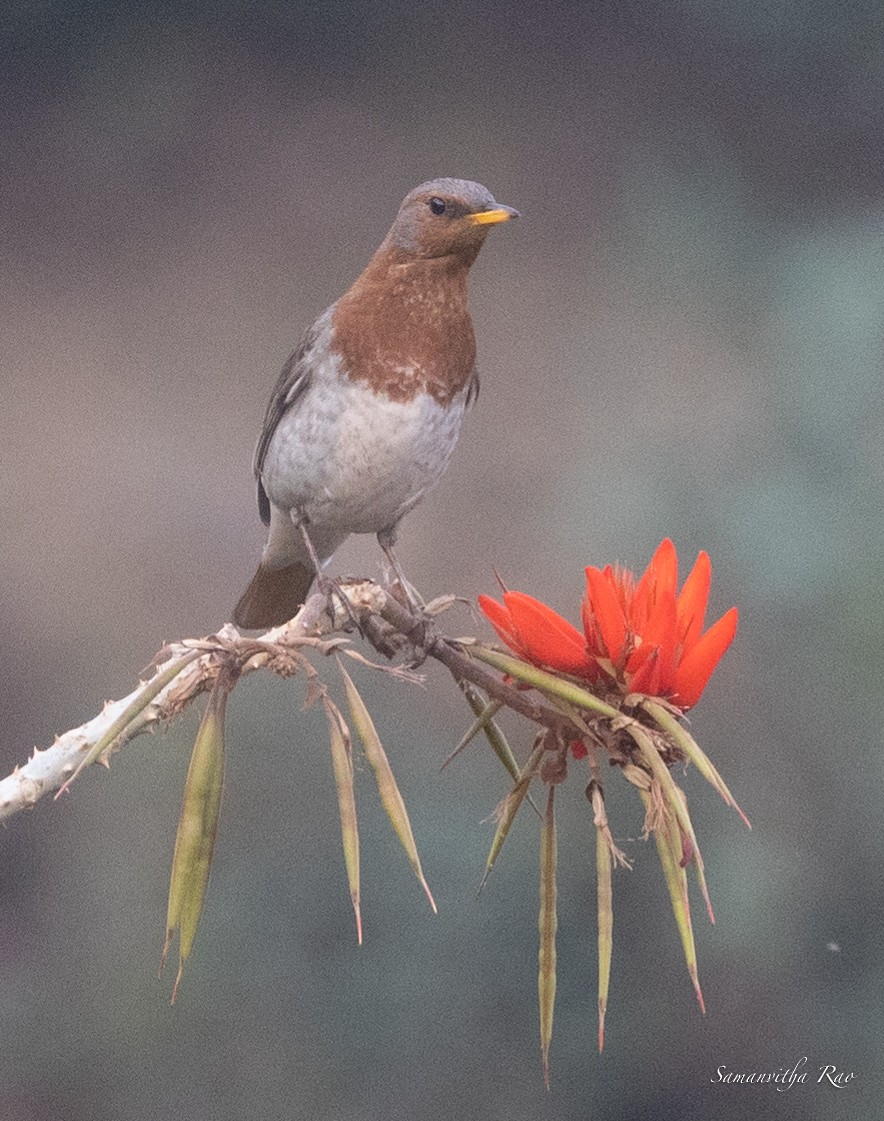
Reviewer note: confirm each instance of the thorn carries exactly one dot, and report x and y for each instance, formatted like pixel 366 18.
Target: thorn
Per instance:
pixel 426 888
pixel 699 992
pixel 177 982
pixel 503 588
pixel 170 934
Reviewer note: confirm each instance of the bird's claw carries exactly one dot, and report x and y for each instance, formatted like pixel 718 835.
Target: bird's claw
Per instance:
pixel 332 589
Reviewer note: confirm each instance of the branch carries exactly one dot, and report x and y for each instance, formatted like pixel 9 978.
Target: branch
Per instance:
pixel 48 770
pixel 641 735
pixel 189 667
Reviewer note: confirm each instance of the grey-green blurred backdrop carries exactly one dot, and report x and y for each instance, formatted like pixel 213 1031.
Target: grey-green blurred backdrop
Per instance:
pixel 683 336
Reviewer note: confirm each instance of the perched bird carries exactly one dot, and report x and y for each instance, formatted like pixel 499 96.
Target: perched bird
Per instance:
pixel 366 412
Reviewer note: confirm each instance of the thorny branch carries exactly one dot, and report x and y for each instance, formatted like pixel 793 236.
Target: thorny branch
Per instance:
pixel 390 628
pixel 642 735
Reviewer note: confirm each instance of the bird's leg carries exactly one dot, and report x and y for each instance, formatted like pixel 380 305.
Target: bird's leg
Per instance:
pixel 413 601
pixel 326 584
pixel 420 633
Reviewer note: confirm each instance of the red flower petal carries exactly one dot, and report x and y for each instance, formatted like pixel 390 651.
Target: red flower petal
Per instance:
pixel 602 608
pixel 547 638
pixel 692 601
pixel 660 631
pixel 499 618
pixel 646 678
pixel 661 574
pixel 697 665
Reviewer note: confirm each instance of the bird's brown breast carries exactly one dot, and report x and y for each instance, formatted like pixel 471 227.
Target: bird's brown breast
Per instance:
pixel 404 329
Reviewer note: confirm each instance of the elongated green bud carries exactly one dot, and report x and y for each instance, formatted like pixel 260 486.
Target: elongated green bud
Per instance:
pixel 547 925
pixel 391 799
pixel 342 764
pixel 197 828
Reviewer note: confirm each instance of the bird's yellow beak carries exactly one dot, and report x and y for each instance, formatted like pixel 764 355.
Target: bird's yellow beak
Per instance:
pixel 490 217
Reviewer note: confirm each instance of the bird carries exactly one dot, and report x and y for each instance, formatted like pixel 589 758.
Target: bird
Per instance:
pixel 367 410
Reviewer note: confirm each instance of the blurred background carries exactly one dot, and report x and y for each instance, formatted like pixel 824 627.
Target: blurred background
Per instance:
pixel 682 337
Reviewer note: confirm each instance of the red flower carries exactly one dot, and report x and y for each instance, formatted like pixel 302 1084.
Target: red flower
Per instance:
pixel 538 634
pixel 641 636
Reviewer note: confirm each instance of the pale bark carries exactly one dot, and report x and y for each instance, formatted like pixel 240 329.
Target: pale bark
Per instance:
pixel 386 623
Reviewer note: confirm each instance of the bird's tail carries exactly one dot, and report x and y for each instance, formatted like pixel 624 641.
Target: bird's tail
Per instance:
pixel 274 596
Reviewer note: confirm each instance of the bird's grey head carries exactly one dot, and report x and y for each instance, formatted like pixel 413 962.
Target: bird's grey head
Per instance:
pixel 446 216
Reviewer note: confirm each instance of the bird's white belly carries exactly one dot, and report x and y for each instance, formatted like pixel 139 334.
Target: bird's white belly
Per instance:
pixel 354 460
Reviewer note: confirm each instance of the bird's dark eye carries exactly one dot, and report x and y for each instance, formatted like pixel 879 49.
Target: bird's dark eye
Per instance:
pixel 437 205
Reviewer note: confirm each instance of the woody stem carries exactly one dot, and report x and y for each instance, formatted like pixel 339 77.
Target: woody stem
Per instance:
pixel 462 667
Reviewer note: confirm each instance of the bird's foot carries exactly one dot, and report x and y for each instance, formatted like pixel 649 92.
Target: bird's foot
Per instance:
pixel 404 592
pixel 333 590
